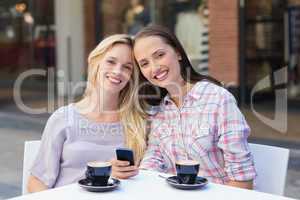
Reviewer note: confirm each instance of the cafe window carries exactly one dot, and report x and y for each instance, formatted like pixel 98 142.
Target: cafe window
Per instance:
pixel 271 43
pixel 191 28
pixel 188 19
pixel 27 36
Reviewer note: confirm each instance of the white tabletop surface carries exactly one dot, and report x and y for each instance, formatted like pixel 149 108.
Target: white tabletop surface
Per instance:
pixel 149 186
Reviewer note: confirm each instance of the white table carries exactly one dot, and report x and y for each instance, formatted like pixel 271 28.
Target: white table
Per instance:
pixel 149 186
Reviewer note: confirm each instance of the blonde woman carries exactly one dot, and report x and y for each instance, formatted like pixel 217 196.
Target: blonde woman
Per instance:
pixel 105 118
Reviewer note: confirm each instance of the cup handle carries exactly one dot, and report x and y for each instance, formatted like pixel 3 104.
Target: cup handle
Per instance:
pixel 89 174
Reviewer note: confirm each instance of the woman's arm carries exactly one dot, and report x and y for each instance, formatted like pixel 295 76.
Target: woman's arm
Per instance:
pixel 153 158
pixel 233 132
pixel 46 166
pixel 241 184
pixel 35 185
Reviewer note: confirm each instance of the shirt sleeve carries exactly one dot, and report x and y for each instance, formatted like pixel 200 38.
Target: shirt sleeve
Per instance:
pixel 153 158
pixel 46 166
pixel 233 132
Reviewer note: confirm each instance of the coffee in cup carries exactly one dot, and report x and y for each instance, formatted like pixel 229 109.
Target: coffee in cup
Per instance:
pixel 187 171
pixel 98 172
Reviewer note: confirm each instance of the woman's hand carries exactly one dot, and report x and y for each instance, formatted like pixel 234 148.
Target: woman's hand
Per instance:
pixel 122 169
pixel 241 184
pixel 35 185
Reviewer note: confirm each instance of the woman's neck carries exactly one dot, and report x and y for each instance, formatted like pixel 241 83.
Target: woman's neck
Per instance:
pixel 100 107
pixel 106 102
pixel 178 91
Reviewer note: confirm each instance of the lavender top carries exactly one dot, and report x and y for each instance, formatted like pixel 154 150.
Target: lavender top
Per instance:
pixel 69 141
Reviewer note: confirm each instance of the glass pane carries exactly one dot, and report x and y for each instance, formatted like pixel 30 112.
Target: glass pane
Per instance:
pixel 264 39
pixel 189 21
pixel 27 37
pixel 27 42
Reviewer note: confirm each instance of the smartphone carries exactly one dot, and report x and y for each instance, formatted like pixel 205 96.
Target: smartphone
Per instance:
pixel 125 154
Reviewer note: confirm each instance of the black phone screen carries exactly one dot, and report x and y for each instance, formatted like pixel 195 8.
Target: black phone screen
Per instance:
pixel 125 154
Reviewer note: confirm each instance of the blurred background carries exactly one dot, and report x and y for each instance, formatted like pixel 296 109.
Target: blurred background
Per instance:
pixel 253 46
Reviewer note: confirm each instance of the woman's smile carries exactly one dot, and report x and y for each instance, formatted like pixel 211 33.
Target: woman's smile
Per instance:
pixel 161 75
pixel 114 79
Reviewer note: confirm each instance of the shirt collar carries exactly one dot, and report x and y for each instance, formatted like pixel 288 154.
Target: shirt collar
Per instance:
pixel 194 94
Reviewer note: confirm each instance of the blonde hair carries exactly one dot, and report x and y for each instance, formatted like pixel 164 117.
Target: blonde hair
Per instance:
pixel 132 115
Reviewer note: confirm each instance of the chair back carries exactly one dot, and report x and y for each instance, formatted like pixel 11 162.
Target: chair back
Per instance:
pixel 271 165
pixel 31 149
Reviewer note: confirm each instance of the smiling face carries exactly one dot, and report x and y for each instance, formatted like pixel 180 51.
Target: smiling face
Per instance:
pixel 158 61
pixel 116 67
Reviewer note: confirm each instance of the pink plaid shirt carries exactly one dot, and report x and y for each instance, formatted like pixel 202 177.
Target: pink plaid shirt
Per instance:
pixel 209 128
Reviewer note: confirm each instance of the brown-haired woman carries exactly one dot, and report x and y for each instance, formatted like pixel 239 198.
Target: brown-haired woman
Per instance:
pixel 197 119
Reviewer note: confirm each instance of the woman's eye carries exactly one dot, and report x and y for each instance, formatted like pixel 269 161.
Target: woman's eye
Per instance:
pixel 161 55
pixel 127 67
pixel 144 64
pixel 110 62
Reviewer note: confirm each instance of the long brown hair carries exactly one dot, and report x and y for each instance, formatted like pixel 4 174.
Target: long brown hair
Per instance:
pixel 186 70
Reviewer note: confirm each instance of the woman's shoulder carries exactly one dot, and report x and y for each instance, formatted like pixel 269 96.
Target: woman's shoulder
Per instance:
pixel 62 116
pixel 58 123
pixel 214 91
pixel 61 112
